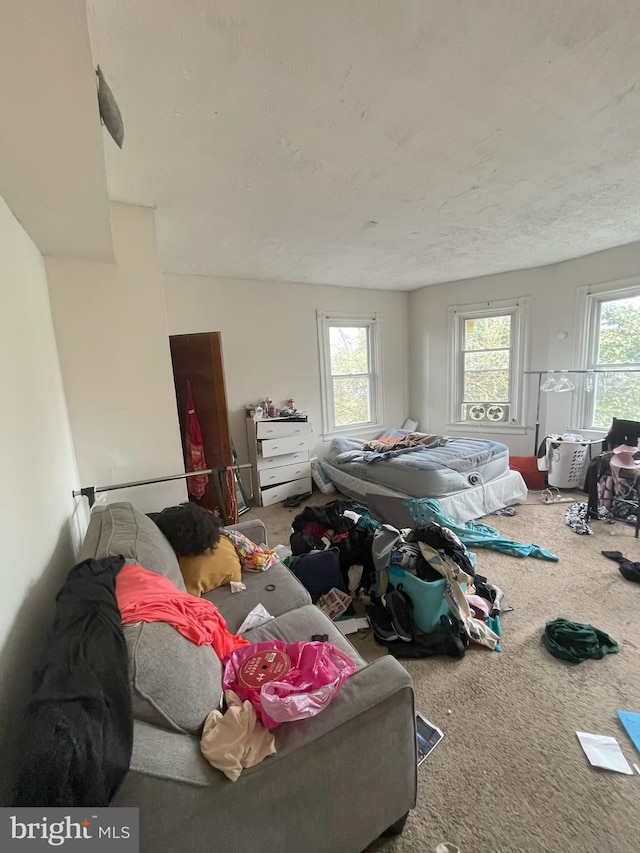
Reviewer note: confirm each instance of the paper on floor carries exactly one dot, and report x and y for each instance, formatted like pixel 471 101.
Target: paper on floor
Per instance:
pixel 631 721
pixel 350 626
pixel 604 751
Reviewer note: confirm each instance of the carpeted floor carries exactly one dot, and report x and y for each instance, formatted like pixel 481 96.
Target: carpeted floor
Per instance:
pixel 510 774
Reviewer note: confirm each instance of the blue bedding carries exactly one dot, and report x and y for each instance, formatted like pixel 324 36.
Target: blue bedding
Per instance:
pixel 424 471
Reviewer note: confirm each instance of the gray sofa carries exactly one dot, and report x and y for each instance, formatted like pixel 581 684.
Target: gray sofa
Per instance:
pixel 336 782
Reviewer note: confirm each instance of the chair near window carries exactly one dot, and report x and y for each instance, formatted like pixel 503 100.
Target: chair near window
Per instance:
pixel 622 432
pixel 613 478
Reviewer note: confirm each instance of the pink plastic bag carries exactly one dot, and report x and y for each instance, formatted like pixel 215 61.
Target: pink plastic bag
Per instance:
pixel 286 681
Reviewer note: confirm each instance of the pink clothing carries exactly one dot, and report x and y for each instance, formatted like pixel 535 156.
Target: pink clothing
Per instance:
pixel 145 596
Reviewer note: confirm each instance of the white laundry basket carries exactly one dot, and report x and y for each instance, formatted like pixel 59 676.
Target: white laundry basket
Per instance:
pixel 567 463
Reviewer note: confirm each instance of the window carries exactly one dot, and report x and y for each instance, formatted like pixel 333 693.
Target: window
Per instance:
pixel 487 359
pixel 350 368
pixel 611 346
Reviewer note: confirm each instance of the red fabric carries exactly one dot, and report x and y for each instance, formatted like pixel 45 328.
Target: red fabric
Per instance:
pixel 195 460
pixel 145 596
pixel 314 528
pixel 528 467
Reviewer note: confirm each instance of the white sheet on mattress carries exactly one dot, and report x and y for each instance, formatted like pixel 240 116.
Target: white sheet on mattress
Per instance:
pixel 462 506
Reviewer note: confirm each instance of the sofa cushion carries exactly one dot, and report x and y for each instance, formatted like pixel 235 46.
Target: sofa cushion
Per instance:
pixel 174 683
pixel 119 528
pixel 216 567
pixel 302 624
pixel 287 594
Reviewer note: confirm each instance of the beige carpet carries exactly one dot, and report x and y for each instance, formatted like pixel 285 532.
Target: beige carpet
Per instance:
pixel 510 774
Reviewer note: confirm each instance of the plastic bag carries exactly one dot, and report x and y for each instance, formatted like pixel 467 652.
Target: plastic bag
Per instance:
pixel 286 681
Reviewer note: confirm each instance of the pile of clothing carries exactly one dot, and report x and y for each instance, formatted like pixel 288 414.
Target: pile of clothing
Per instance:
pixel 431 553
pixel 369 557
pixel 344 526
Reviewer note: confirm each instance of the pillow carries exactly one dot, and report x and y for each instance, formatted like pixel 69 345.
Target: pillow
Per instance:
pixel 216 567
pixel 174 683
pixel 119 528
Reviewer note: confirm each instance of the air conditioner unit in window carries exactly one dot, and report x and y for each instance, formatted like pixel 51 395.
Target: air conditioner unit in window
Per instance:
pixel 492 412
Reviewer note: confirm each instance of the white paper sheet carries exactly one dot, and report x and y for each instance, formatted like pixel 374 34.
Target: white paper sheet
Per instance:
pixel 258 616
pixel 604 751
pixel 350 626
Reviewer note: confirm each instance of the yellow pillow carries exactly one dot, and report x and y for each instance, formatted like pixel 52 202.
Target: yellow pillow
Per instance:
pixel 216 567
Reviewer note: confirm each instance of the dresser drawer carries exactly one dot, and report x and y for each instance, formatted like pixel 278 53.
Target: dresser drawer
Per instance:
pixel 286 490
pixel 263 462
pixel 280 429
pixel 284 473
pixel 290 444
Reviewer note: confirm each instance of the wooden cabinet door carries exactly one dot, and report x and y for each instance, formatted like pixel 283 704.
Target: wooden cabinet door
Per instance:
pixel 198 358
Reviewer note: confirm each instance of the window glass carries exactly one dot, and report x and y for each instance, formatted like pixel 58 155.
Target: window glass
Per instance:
pixel 349 350
pixel 351 384
pixel 351 397
pixel 616 394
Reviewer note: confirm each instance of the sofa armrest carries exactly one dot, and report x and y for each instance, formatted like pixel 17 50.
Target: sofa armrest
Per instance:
pixel 367 689
pixel 350 771
pixel 171 755
pixel 253 529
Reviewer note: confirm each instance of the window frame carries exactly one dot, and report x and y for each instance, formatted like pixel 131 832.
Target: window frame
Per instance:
pixel 518 310
pixel 373 324
pixel 590 299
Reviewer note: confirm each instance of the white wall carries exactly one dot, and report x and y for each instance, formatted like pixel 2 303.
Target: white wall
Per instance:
pixel 39 523
pixel 553 311
pixel 111 329
pixel 270 340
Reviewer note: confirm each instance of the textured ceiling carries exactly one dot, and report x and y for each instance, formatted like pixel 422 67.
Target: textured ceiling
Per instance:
pixel 378 143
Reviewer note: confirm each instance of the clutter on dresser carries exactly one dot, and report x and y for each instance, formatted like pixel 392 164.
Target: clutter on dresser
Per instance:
pixel 267 409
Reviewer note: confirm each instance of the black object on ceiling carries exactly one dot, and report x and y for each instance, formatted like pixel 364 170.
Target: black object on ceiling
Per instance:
pixel 109 110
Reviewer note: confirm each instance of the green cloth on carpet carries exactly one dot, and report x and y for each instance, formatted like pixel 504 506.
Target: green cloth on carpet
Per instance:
pixel 576 642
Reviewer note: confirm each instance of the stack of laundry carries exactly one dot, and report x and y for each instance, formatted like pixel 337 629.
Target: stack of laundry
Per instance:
pixel 427 598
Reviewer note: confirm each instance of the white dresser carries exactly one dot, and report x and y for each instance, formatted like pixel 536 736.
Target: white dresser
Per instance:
pixel 279 452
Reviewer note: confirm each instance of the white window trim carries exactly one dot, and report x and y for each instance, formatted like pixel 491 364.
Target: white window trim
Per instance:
pixel 519 307
pixel 587 299
pixel 374 321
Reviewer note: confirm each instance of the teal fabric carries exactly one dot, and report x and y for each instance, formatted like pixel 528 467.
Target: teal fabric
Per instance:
pixel 365 521
pixel 494 623
pixel 575 642
pixel 473 534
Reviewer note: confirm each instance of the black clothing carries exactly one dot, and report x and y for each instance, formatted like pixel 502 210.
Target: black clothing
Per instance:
pixel 78 735
pixel 319 527
pixel 628 568
pixel 442 539
pixel 448 638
